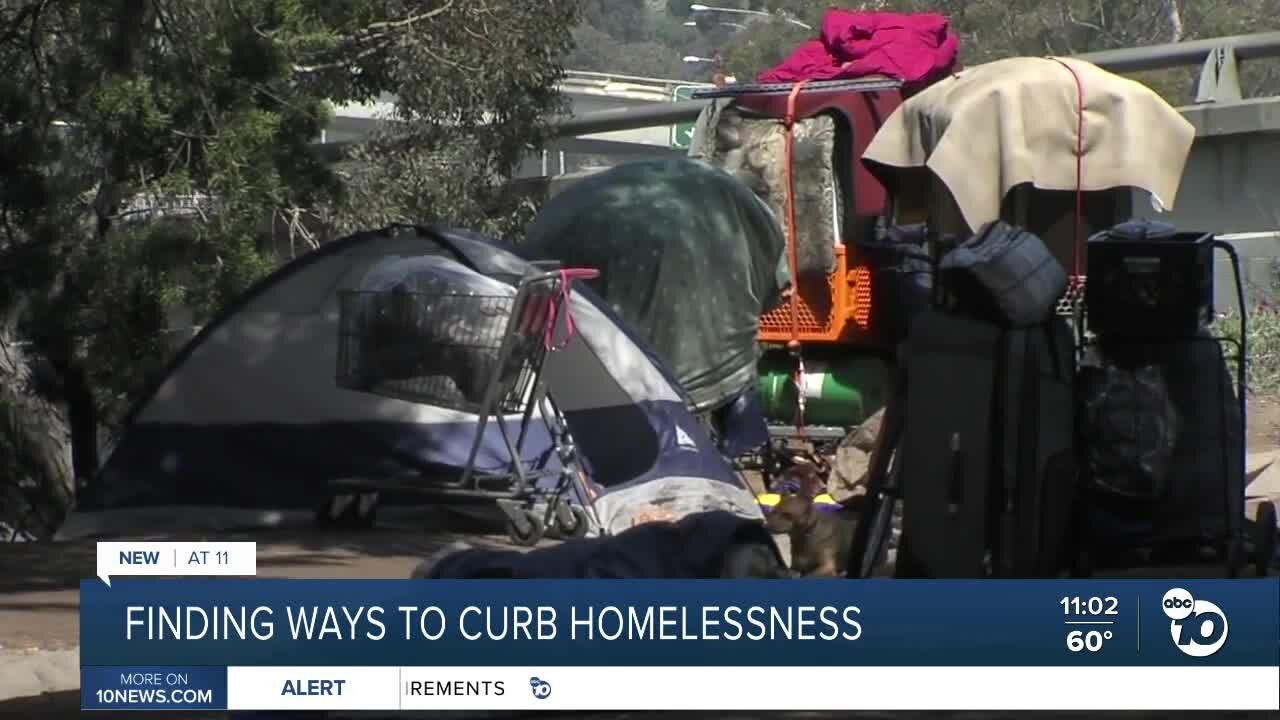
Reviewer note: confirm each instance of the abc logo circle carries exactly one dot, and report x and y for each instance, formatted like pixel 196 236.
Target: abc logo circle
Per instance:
pixel 1198 627
pixel 1178 604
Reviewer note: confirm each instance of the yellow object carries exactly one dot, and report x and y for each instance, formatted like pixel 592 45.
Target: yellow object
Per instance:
pixel 772 499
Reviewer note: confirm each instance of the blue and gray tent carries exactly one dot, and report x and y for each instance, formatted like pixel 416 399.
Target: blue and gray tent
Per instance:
pixel 247 424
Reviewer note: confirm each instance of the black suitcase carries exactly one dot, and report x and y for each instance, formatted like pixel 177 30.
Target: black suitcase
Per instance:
pixel 987 459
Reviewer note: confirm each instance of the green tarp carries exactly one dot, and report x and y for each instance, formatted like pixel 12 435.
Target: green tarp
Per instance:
pixel 688 255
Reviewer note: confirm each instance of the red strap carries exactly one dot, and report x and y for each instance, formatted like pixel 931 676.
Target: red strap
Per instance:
pixel 793 253
pixel 562 301
pixel 788 124
pixel 1079 218
pixel 798 381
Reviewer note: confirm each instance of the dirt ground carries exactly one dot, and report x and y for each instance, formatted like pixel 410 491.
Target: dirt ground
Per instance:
pixel 1263 427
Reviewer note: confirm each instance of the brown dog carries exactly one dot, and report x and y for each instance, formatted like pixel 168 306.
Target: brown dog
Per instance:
pixel 820 539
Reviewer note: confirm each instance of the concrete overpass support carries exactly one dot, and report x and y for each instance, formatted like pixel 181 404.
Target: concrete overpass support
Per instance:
pixel 1231 186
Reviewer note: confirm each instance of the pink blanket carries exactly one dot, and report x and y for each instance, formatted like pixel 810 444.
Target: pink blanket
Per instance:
pixel 916 48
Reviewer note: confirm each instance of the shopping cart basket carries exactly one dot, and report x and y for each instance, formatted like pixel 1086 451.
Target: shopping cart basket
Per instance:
pixel 481 354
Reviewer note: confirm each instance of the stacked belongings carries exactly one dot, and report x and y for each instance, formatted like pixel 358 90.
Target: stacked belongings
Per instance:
pixel 1072 146
pixel 1161 416
pixel 791 138
pixel 987 455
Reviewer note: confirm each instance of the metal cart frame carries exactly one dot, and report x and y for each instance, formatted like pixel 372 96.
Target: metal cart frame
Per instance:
pixel 514 386
pixel 1232 542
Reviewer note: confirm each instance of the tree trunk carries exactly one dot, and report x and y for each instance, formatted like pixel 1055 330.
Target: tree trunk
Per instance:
pixel 82 421
pixel 1175 21
pixel 35 457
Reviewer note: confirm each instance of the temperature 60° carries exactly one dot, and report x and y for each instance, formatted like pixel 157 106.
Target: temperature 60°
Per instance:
pixel 1090 640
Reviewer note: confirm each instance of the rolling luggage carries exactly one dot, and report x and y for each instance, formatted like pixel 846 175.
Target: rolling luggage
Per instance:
pixel 988 460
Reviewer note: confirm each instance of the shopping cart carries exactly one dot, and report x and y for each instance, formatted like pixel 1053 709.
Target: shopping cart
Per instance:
pixel 481 355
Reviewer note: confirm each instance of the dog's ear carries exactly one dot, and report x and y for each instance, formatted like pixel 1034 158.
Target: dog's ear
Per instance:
pixel 807 478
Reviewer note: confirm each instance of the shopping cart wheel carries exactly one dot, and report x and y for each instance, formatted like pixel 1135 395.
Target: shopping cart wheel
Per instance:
pixel 571 521
pixel 348 510
pixel 1264 542
pixel 525 528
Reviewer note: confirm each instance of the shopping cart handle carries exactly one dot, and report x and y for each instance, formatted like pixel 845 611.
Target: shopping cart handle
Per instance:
pixel 580 273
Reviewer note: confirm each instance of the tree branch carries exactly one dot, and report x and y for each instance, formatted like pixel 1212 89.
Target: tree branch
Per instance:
pixel 1175 21
pixel 337 64
pixel 380 28
pixel 27 11
pixel 446 61
pixel 379 33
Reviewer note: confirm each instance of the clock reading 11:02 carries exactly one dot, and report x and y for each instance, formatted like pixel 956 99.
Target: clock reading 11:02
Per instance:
pixel 1090 606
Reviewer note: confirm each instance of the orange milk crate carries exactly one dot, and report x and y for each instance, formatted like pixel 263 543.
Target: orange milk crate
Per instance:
pixel 832 309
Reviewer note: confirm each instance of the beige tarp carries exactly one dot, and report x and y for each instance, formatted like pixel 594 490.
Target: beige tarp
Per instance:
pixel 992 127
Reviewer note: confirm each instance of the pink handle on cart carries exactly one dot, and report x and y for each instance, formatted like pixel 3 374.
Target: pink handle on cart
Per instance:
pixel 567 276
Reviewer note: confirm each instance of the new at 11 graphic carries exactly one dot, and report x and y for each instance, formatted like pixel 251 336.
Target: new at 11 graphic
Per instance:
pixel 1089 622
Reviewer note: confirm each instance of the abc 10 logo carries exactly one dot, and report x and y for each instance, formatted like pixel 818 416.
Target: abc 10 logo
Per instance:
pixel 1198 627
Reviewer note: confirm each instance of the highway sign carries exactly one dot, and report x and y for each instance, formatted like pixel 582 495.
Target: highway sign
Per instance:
pixel 682 133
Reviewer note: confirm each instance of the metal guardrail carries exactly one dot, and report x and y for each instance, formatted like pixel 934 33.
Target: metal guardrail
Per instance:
pixel 1181 54
pixel 614 77
pixel 1219 80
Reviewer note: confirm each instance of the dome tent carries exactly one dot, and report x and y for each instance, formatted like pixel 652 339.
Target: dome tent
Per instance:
pixel 247 423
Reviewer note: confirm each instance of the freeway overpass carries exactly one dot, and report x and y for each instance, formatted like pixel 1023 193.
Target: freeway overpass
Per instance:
pixel 587 93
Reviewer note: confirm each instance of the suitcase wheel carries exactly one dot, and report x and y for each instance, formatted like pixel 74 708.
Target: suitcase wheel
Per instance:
pixel 1264 542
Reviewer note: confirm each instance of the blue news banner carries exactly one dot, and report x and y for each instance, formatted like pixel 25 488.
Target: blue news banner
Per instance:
pixel 143 636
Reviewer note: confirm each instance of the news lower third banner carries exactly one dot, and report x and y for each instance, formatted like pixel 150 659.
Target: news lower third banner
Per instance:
pixel 274 644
